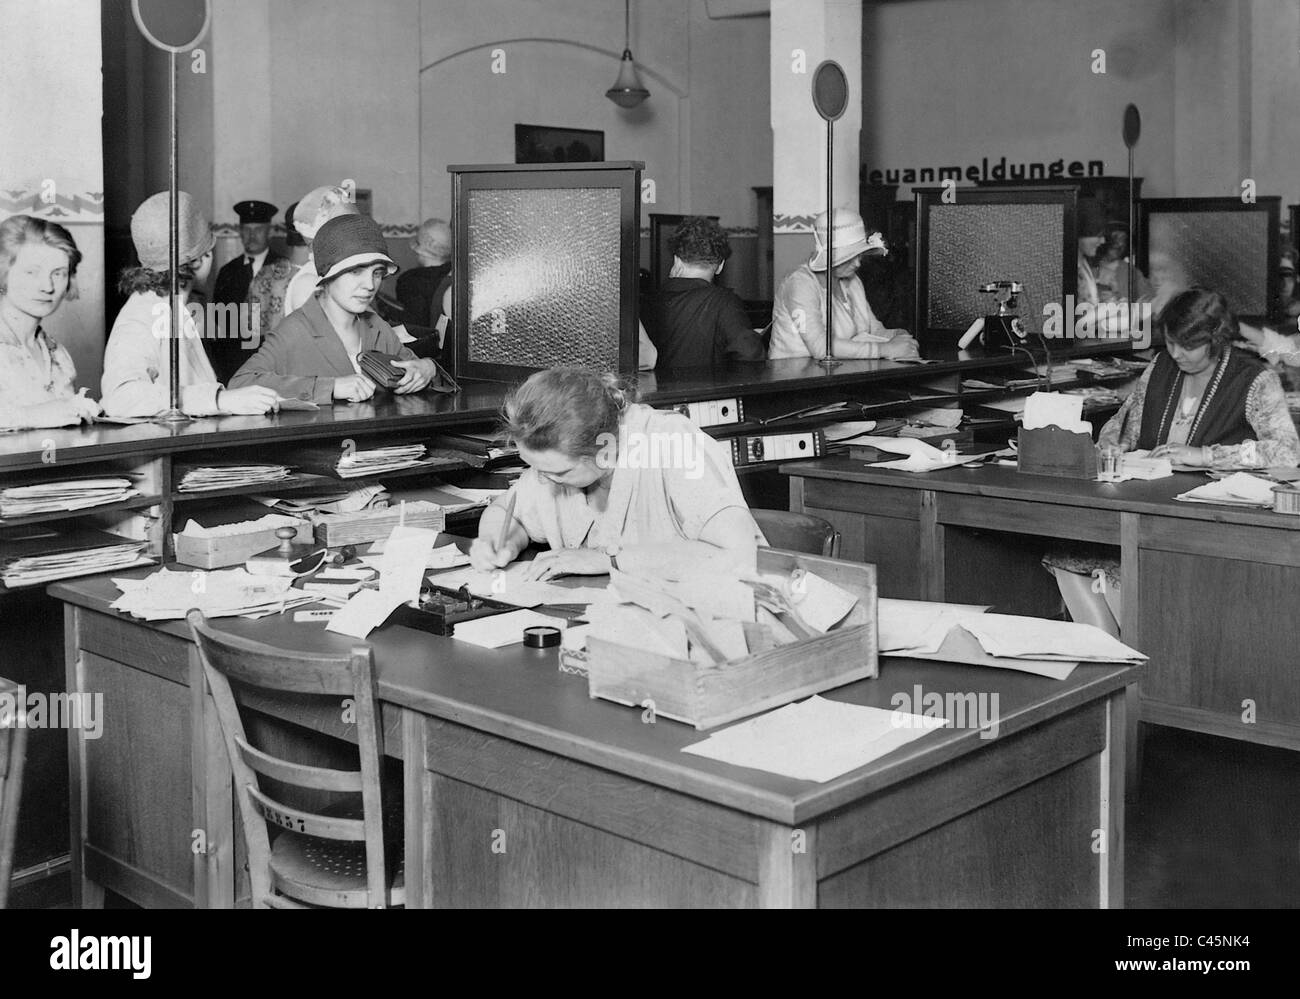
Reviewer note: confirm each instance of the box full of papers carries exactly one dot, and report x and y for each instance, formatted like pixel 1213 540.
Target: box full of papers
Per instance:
pixel 816 634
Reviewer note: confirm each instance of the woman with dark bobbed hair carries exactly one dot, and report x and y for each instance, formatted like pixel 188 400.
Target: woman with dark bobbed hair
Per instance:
pixel 1204 402
pixel 609 478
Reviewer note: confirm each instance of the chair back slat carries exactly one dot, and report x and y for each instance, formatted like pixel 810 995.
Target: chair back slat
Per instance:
pixel 256 665
pixel 299 774
pixel 309 823
pixel 798 532
pixel 270 668
pixel 13 757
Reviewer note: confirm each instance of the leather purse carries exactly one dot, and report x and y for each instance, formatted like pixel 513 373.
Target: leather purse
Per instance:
pixel 380 369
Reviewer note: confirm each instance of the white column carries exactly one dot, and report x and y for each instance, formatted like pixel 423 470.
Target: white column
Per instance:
pixel 52 152
pixel 805 32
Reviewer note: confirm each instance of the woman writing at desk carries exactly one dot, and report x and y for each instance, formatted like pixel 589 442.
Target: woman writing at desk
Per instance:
pixel 38 261
pixel 1201 403
pixel 1204 402
pixel 607 475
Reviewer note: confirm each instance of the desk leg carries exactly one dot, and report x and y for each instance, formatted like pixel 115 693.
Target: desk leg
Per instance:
pixel 86 894
pixel 787 867
pixel 418 817
pixel 1130 586
pixel 1111 772
pixel 212 795
pixel 933 584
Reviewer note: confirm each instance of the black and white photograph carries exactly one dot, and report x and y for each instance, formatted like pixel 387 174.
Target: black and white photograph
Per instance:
pixel 650 454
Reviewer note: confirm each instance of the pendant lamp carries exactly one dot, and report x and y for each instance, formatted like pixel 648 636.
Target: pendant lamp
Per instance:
pixel 627 91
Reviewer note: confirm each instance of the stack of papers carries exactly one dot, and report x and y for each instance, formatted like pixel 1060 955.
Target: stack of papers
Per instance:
pixel 349 502
pixel 500 630
pixel 65 494
pixel 46 556
pixel 959 633
pixel 816 740
pixel 400 575
pixel 1140 465
pixel 168 595
pixel 196 478
pixel 509 587
pixel 1055 409
pixel 376 461
pixel 1239 489
pixel 272 521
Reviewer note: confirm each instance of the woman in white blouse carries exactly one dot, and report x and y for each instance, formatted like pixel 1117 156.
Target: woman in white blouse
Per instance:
pixel 38 264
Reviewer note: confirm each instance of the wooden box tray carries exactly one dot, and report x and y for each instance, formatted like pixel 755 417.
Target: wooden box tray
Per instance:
pixel 334 529
pixel 219 553
pixel 1056 452
pixel 708 696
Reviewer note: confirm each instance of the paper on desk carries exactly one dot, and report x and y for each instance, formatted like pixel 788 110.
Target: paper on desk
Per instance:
pixel 509 586
pixel 443 557
pixel 1238 489
pixel 921 457
pixel 363 613
pixel 816 740
pixel 193 529
pixel 960 646
pixel 1038 638
pixel 496 631
pixel 1140 465
pixel 914 627
pixel 287 404
pixel 1053 409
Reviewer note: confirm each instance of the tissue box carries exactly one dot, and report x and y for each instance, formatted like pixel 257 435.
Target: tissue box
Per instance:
pixel 706 696
pixel 219 553
pixel 1057 452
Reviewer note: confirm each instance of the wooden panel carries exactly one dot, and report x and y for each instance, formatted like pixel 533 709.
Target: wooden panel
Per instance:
pixel 138 780
pixel 146 649
pixel 1229 726
pixel 906 810
pixel 1226 634
pixel 495 852
pixel 131 883
pixel 1226 541
pixel 787 867
pixel 1021 517
pixel 1034 849
pixel 890 544
pixel 668 821
pixel 880 501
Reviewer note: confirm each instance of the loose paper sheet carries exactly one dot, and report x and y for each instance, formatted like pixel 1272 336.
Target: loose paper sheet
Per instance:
pixel 509 586
pixel 816 740
pixel 500 630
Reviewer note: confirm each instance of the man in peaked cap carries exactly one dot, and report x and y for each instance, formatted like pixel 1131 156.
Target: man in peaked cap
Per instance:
pixel 235 278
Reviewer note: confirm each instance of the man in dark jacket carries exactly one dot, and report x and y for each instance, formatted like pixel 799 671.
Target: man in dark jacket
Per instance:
pixel 693 322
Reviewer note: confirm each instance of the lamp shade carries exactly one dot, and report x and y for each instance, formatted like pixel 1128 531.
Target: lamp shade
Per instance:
pixel 627 91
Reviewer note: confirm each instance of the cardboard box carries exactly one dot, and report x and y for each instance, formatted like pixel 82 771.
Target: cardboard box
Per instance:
pixel 220 553
pixel 708 696
pixel 1056 452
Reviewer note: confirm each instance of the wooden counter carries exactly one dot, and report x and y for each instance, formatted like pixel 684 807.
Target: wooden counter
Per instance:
pixel 1208 592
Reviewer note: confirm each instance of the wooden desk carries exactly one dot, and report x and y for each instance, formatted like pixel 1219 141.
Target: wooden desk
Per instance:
pixel 1208 592
pixel 522 791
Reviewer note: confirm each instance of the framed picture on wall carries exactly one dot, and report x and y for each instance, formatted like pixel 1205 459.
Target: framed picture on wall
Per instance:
pixel 545 144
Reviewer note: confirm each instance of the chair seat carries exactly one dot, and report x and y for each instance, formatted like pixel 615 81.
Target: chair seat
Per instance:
pixel 329 871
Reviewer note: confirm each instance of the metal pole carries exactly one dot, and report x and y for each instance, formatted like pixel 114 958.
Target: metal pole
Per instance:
pixel 1132 243
pixel 174 413
pixel 829 360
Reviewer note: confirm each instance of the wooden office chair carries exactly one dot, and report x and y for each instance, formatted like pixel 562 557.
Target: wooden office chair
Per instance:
pixel 339 860
pixel 13 755
pixel 798 532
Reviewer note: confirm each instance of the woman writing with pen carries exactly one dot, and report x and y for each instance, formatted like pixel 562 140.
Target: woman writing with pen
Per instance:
pixel 610 480
pixel 38 267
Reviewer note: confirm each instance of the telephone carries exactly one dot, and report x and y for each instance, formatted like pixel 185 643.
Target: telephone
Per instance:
pixel 1003 331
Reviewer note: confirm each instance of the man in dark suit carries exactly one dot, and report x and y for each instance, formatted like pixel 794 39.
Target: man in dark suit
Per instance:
pixel 234 279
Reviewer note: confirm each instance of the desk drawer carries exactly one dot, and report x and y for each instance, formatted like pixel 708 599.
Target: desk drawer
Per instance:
pixel 881 501
pixel 1074 523
pixel 136 644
